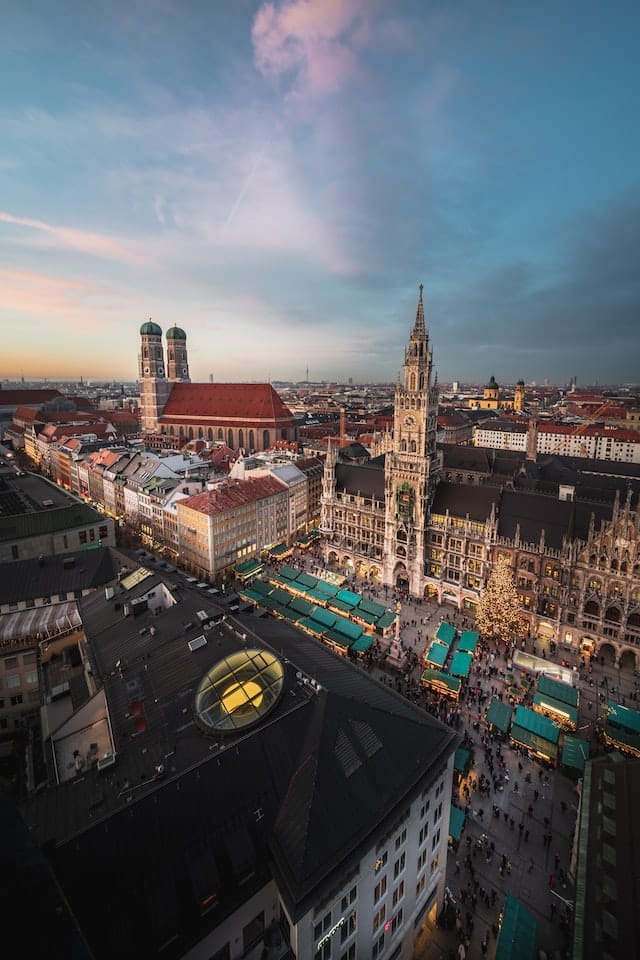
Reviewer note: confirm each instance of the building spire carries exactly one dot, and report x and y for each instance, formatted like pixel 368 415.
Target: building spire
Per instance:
pixel 419 329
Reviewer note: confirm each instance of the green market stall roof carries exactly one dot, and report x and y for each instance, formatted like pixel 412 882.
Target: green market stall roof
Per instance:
pixel 623 717
pixel 499 715
pixel 445 633
pixel 537 724
pixel 351 599
pixel 248 568
pixel 564 692
pixel 437 653
pixel 362 643
pixel 370 607
pixel 461 760
pixel 385 621
pixel 560 711
pixel 518 937
pixel 461 664
pixel 575 753
pixel 441 681
pixel 468 641
pixel 456 822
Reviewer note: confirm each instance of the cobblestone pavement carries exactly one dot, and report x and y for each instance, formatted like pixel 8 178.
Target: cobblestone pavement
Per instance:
pixel 531 862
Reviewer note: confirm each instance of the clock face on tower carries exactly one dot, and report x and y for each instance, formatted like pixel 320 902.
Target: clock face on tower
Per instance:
pixel 409 421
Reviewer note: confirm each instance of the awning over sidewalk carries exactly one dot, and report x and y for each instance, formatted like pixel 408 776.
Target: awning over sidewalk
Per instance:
pixel 499 715
pixel 518 937
pixel 456 822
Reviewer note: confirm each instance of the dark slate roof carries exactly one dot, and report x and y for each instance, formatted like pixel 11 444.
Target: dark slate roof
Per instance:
pixel 49 521
pixel 481 459
pixel 462 499
pixel 226 816
pixel 354 451
pixel 53 575
pixel 366 479
pixel 534 512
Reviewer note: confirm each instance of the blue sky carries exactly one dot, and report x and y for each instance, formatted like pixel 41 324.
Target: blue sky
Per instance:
pixel 277 178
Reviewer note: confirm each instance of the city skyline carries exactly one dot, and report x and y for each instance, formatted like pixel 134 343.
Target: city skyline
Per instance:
pixel 278 178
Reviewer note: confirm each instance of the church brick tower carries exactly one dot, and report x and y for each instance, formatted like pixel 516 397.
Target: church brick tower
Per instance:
pixel 411 467
pixel 177 362
pixel 154 386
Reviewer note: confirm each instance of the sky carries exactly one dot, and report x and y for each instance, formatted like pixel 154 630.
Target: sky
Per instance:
pixel 277 178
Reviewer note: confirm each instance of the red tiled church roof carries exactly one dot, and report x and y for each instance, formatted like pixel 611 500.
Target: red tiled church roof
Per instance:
pixel 240 402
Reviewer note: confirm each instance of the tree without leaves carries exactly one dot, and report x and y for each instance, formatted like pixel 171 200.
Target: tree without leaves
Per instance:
pixel 499 615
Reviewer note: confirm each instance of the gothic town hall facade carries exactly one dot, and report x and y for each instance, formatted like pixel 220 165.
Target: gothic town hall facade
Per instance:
pixel 430 519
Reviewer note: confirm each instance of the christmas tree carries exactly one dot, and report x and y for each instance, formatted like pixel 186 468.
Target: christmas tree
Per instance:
pixel 498 615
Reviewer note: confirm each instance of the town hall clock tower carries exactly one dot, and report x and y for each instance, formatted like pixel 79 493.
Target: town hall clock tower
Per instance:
pixel 411 466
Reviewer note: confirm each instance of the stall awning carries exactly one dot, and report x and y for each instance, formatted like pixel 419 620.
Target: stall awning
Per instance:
pixel 280 551
pixel 461 760
pixel 461 664
pixel 324 617
pixel 328 589
pixel 623 717
pixel 437 653
pixel 369 606
pixel 557 690
pixel 362 643
pixel 468 641
pixel 442 682
pixel 248 568
pixel 289 573
pixel 499 715
pixel 445 633
pixel 560 712
pixel 575 753
pixel 518 937
pixel 386 620
pixel 537 724
pixel 351 599
pixel 456 822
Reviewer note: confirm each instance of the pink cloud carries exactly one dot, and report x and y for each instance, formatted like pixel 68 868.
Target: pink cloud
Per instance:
pixel 95 244
pixel 309 38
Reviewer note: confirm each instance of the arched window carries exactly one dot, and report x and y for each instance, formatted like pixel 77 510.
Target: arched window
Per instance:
pixel 181 431
pixel 421 381
pixel 252 442
pixel 265 439
pixel 145 353
pixel 190 433
pixel 220 434
pixel 171 431
pixel 412 447
pixel 230 438
pixel 200 433
pixel 209 434
pixel 283 433
pixel 241 438
pixel 412 382
pixel 403 446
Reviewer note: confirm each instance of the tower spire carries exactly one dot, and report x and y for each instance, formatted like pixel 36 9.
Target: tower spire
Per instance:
pixel 419 328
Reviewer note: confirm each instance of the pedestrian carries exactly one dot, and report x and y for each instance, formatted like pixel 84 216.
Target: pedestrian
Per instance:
pixel 530 865
pixel 526 835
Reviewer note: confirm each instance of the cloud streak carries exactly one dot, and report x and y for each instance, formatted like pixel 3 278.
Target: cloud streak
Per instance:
pixel 93 244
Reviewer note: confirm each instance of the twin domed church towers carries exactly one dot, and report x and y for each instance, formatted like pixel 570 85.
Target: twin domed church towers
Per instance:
pixel 156 378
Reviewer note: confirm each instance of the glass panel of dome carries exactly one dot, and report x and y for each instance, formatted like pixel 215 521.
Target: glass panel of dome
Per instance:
pixel 239 690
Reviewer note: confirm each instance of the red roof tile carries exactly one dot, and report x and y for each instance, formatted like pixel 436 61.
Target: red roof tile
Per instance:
pixel 232 494
pixel 236 402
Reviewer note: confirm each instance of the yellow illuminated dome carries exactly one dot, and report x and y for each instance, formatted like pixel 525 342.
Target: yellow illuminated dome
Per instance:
pixel 239 690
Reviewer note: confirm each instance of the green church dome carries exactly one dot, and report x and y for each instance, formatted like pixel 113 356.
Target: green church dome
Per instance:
pixel 150 329
pixel 175 333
